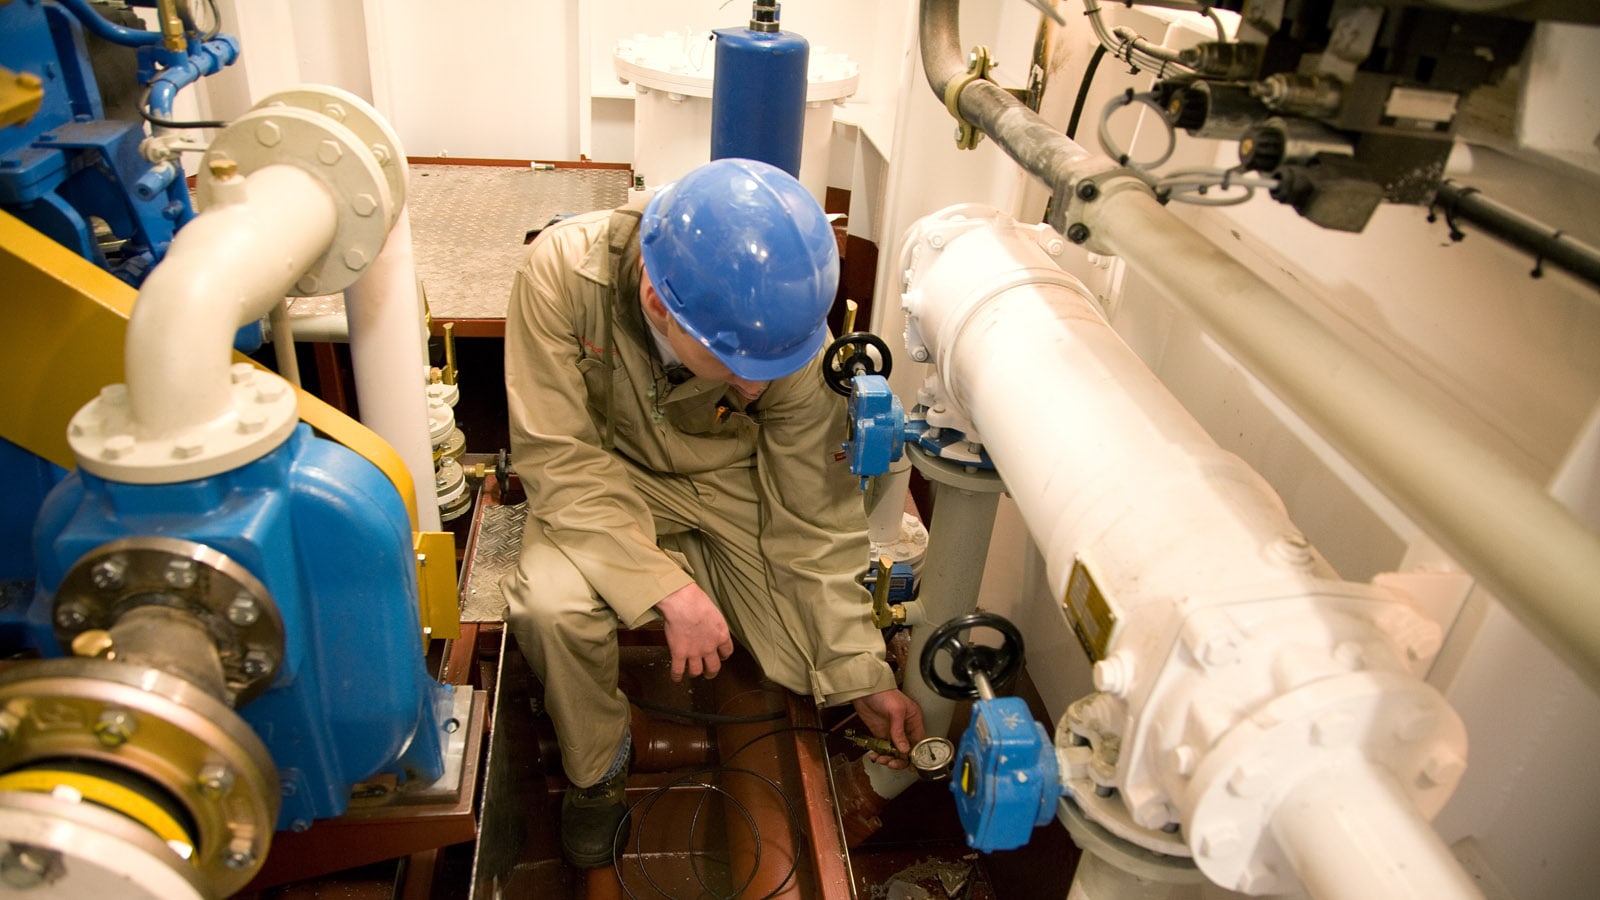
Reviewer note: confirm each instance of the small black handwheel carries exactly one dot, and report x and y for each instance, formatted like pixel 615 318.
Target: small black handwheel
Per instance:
pixel 999 664
pixel 856 353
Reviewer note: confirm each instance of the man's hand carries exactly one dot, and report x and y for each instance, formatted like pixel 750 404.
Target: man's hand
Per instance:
pixel 697 634
pixel 891 714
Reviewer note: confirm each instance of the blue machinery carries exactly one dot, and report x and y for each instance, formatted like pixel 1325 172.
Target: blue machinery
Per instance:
pixel 1004 772
pixel 216 611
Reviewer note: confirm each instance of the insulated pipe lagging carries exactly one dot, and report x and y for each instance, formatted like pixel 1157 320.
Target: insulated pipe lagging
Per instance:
pixel 226 268
pixel 1004 322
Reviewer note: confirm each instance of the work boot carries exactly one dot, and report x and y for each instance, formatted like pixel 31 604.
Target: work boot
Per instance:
pixel 595 821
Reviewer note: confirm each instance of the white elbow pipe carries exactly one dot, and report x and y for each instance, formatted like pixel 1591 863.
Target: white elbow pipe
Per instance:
pixel 228 267
pixel 386 355
pixel 188 411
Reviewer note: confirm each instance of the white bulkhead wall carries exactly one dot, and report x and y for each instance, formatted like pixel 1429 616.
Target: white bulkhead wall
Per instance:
pixel 1511 359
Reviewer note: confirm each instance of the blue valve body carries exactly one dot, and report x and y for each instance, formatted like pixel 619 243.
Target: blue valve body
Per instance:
pixel 878 424
pixel 1006 781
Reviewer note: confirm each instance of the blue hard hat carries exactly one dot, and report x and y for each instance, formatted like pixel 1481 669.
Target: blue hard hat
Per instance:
pixel 745 261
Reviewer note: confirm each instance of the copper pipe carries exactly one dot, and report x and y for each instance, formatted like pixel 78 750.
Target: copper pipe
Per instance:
pixel 661 746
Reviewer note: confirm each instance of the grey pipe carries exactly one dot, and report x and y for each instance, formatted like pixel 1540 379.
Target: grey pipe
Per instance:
pixel 1023 134
pixel 1532 552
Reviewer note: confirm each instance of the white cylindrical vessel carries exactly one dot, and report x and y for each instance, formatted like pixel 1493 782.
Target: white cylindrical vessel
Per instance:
pixel 672 76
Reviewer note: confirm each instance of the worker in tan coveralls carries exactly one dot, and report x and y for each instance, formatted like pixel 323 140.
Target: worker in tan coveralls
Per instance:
pixel 663 380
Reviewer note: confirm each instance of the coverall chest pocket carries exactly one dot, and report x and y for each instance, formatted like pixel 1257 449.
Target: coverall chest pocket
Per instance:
pixel 597 377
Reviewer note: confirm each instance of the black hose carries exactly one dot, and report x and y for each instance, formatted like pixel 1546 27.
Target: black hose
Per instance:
pixel 1083 90
pixel 696 716
pixel 144 111
pixel 1460 203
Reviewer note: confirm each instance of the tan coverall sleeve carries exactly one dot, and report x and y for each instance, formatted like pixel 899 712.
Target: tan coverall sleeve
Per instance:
pixel 814 536
pixel 577 491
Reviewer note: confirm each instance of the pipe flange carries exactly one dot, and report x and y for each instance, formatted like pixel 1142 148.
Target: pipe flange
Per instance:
pixel 234 606
pixel 336 156
pixel 1393 721
pixel 357 115
pixel 72 848
pixel 263 410
pixel 162 729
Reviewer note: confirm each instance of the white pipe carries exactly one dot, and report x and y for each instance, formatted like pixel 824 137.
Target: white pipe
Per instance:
pixel 226 268
pixel 326 329
pixel 1107 468
pixel 1530 551
pixel 282 336
pixel 1003 322
pixel 1350 834
pixel 887 517
pixel 385 352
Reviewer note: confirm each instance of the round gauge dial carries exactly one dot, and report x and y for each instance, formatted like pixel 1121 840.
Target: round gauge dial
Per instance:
pixel 932 758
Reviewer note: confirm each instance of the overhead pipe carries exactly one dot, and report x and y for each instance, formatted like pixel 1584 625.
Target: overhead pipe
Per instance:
pixel 1478 506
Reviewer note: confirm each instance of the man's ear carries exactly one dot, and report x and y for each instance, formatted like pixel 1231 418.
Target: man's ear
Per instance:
pixel 655 309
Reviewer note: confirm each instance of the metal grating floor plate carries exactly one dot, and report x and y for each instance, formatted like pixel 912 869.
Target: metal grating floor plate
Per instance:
pixel 494 554
pixel 468 225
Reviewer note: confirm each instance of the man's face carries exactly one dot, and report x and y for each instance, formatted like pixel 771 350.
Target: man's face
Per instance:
pixel 702 363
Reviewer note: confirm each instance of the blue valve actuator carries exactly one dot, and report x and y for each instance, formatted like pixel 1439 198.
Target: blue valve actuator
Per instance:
pixel 878 424
pixel 1006 780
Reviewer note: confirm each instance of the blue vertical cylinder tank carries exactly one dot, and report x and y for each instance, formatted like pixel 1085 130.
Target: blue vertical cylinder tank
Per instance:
pixel 758 91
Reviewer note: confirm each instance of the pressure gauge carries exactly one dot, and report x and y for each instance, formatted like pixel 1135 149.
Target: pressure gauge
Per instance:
pixel 932 758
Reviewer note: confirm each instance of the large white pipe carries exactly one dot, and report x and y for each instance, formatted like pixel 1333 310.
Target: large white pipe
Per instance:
pixel 387 359
pixel 1003 322
pixel 1531 551
pixel 228 267
pixel 1183 542
pixel 1351 835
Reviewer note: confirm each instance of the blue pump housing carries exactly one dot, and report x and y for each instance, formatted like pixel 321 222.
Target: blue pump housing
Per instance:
pixel 1006 783
pixel 68 169
pixel 758 96
pixel 328 536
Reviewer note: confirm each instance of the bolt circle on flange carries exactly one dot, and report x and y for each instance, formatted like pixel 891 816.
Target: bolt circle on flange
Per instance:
pixel 356 114
pixel 233 605
pixel 179 748
pixel 330 152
